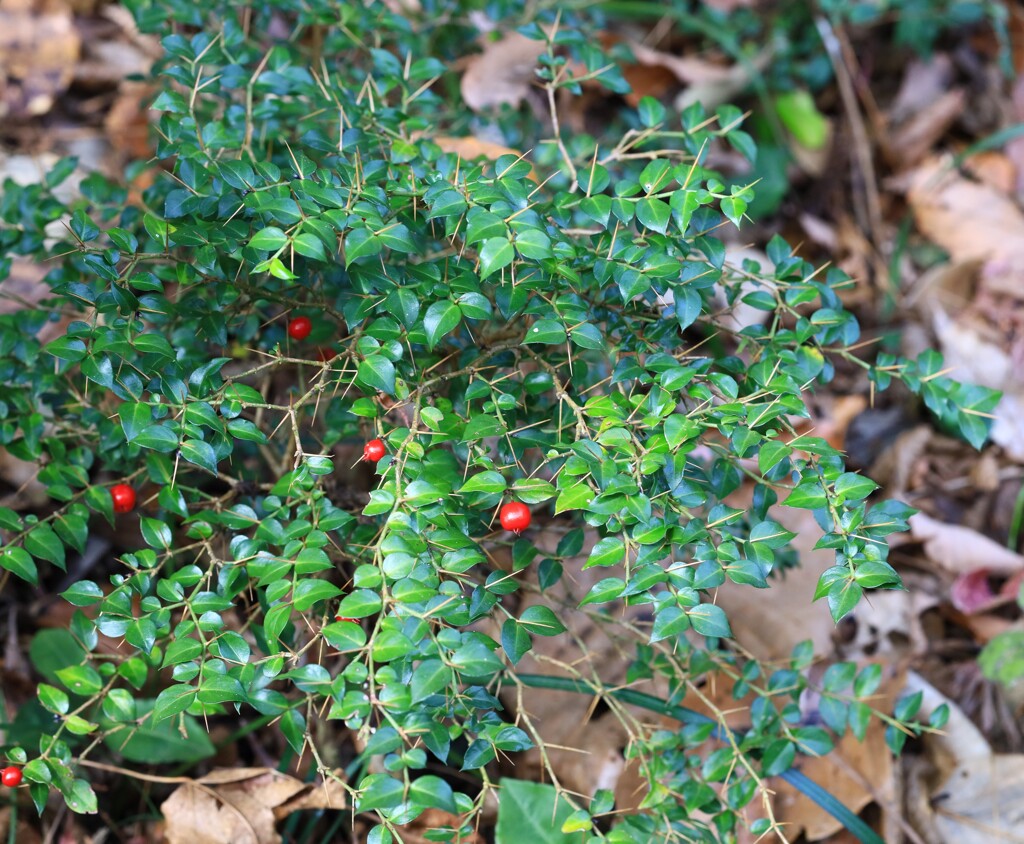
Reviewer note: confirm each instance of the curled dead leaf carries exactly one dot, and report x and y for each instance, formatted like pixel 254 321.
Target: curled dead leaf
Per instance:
pixel 973 794
pixel 959 549
pixel 242 805
pixel 503 73
pixel 471 147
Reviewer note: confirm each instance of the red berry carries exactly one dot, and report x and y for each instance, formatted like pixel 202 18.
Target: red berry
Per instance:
pixel 299 328
pixel 124 498
pixel 343 618
pixel 11 777
pixel 374 450
pixel 515 516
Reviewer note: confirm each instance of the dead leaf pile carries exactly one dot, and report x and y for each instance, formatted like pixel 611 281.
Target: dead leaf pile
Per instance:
pixel 242 806
pixel 965 793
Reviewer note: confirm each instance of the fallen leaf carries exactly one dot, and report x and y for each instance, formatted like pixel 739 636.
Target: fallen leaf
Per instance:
pixel 471 147
pixel 974 794
pixel 970 220
pixel 995 169
pixel 503 73
pixel 958 549
pixel 972 593
pixel 924 81
pixel 242 805
pixel 38 51
pixel 915 138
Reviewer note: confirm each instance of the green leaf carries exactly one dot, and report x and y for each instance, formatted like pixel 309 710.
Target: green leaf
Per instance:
pixel 533 490
pixel 200 453
pixel 778 757
pixel 158 438
pixel 709 620
pixel 541 621
pixel 808 495
pixel 81 799
pixel 799 114
pixel 311 590
pixel 18 561
pixel 432 676
pixel 359 604
pixel 515 640
pixel 43 544
pixel 379 791
pixel 587 336
pixel 669 622
pixel 853 487
pixel 609 551
pixel 843 596
pixel 82 594
pixel 173 700
pixel 495 254
pixel 53 699
pixel 604 590
pixel 488 482
pixel 80 679
pixel 440 320
pixel 547 331
pixel 654 214
pixel 532 812
pixel 378 373
pixel 155 533
pixel 66 348
pixel 135 417
pixel 309 245
pixel 151 743
pixel 269 239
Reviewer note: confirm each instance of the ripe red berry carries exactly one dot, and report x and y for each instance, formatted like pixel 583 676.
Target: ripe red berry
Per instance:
pixel 124 498
pixel 299 328
pixel 11 777
pixel 343 618
pixel 515 516
pixel 374 450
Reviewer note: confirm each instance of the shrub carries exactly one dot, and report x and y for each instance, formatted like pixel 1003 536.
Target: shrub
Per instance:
pixel 550 332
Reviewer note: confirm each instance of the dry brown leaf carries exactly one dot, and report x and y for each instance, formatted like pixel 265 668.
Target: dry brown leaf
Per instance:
pixel 915 138
pixel 894 467
pixel 971 221
pixel 38 51
pixel 994 169
pixel 503 73
pixel 974 794
pixel 471 147
pixel 241 806
pixel 958 549
pixel 923 83
pixel 712 89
